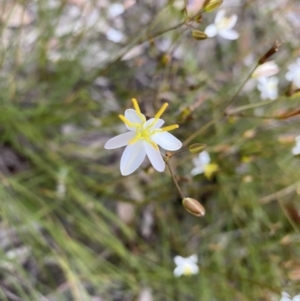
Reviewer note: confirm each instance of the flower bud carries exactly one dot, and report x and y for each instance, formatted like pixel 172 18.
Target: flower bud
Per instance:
pixel 270 52
pixel 199 35
pixel 266 69
pixel 211 5
pixel 192 206
pixel 197 148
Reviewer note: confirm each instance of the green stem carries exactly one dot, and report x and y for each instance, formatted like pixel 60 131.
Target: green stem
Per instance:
pixel 240 88
pixel 174 180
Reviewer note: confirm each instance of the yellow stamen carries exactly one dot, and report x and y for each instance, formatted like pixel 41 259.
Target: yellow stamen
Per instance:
pixel 126 121
pixel 210 169
pixel 134 140
pixel 136 105
pixel 137 137
pixel 187 270
pixel 161 110
pixel 170 127
pixel 152 143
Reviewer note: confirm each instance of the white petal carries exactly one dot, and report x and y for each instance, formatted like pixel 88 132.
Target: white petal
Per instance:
pixel 262 81
pixel 194 258
pixel 273 94
pixel 155 125
pixel 296 298
pixel 155 157
pixel 204 158
pixel 194 269
pixel 231 21
pixel 229 34
pixel 119 141
pixel 167 141
pixel 211 30
pixel 264 95
pixel 274 80
pixel 296 150
pixel 178 271
pixel 132 158
pixel 285 298
pixel 220 15
pixel 291 74
pixel 267 69
pixel 196 161
pixel 179 260
pixel 134 117
pixel 197 171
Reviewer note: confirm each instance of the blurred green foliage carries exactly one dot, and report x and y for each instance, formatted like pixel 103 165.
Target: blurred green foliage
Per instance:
pixel 71 227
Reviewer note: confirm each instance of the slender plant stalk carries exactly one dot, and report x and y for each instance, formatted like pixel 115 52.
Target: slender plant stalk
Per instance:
pixel 233 98
pixel 174 180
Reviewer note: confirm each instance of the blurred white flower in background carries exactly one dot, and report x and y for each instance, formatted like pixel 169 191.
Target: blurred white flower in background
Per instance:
pixel 268 87
pixel 203 165
pixel 296 148
pixel 143 139
pixel 186 266
pixel 115 9
pixel 223 26
pixel 286 297
pixel 179 4
pixel 266 70
pixel 293 75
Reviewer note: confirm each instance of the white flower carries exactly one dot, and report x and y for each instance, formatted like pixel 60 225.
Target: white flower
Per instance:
pixel 203 165
pixel 186 266
pixel 268 87
pixel 293 75
pixel 200 163
pixel 296 148
pixel 223 26
pixel 265 70
pixel 143 139
pixel 286 297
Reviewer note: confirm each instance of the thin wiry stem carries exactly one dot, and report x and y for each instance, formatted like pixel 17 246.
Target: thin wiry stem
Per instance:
pixel 174 179
pixel 233 98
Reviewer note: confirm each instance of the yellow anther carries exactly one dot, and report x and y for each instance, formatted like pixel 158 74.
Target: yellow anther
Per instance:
pixel 170 127
pixel 210 169
pixel 161 110
pixel 126 121
pixel 136 105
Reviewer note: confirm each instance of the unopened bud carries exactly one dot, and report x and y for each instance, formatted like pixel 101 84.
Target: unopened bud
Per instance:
pixel 266 69
pixel 270 52
pixel 197 148
pixel 210 5
pixel 192 206
pixel 199 35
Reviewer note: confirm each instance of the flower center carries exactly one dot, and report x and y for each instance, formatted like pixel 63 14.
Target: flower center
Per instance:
pixel 223 23
pixel 187 270
pixel 146 132
pixel 271 86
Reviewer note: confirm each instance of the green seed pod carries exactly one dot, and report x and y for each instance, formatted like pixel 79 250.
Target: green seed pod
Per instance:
pixel 211 5
pixel 194 207
pixel 197 148
pixel 199 35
